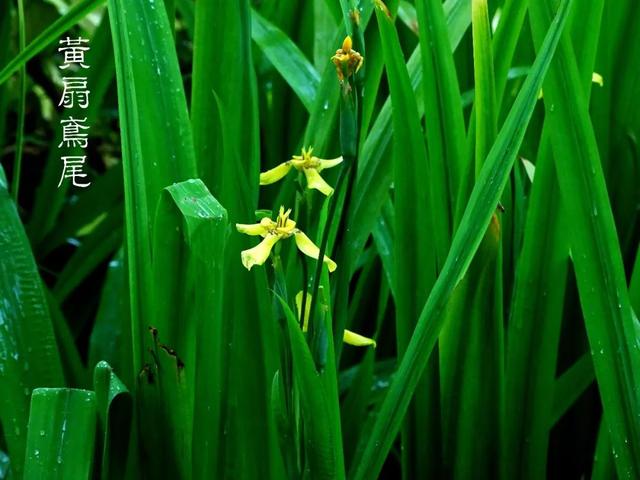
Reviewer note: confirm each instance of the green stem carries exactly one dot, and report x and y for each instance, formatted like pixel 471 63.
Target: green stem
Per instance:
pixel 280 281
pixel 323 249
pixel 17 163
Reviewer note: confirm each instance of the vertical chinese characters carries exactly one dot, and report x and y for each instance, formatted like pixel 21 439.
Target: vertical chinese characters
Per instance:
pixel 75 95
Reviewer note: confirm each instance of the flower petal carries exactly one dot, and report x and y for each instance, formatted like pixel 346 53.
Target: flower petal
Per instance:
pixel 253 229
pixel 314 180
pixel 259 254
pixel 329 163
pixel 597 78
pixel 275 174
pixel 306 246
pixel 357 340
pixel 307 309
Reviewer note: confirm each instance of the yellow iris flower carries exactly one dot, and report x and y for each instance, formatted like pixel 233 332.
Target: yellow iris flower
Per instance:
pixel 348 337
pixel 272 232
pixel 310 165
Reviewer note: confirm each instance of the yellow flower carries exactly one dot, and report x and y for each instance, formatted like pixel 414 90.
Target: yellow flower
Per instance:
pixel 347 60
pixel 357 340
pixel 272 232
pixel 348 337
pixel 597 79
pixel 310 165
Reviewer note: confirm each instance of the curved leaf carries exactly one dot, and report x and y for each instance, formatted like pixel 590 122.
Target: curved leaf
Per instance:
pixel 115 409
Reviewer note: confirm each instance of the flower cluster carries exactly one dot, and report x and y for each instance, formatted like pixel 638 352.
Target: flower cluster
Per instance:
pixel 347 62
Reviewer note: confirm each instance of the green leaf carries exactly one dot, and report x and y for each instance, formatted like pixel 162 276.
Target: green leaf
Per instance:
pixel 290 62
pixel 75 373
pixel 472 358
pixel 224 113
pixel 92 204
pixel 165 421
pixel 483 202
pixel 49 35
pixel 325 460
pixel 94 249
pixel 414 260
pixel 111 335
pixel 485 89
pixel 114 405
pixel 375 169
pixel 29 355
pixel 147 70
pixel 458 15
pixel 534 327
pixel 534 398
pixel 594 249
pixel 22 104
pixel 61 439
pixel 445 131
pixel 603 466
pixel 5 56
pixel 194 226
pixel 570 386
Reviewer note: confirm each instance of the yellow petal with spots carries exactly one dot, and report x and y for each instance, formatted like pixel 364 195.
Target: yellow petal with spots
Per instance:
pixel 275 174
pixel 314 180
pixel 306 246
pixel 357 340
pixel 259 254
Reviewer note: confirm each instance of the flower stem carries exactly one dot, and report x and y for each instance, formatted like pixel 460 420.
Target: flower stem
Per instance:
pixel 17 163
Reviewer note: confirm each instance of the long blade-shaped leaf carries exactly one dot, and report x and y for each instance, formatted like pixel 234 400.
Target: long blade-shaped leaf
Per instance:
pixel 28 353
pixel 595 250
pixel 301 76
pixel 325 461
pixel 415 262
pixel 48 36
pixel 483 202
pixel 144 53
pixel 534 328
pixel 443 117
pixel 537 309
pixel 374 170
pixel 224 115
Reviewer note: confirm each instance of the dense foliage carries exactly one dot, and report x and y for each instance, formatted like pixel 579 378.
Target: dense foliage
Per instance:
pixel 322 239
